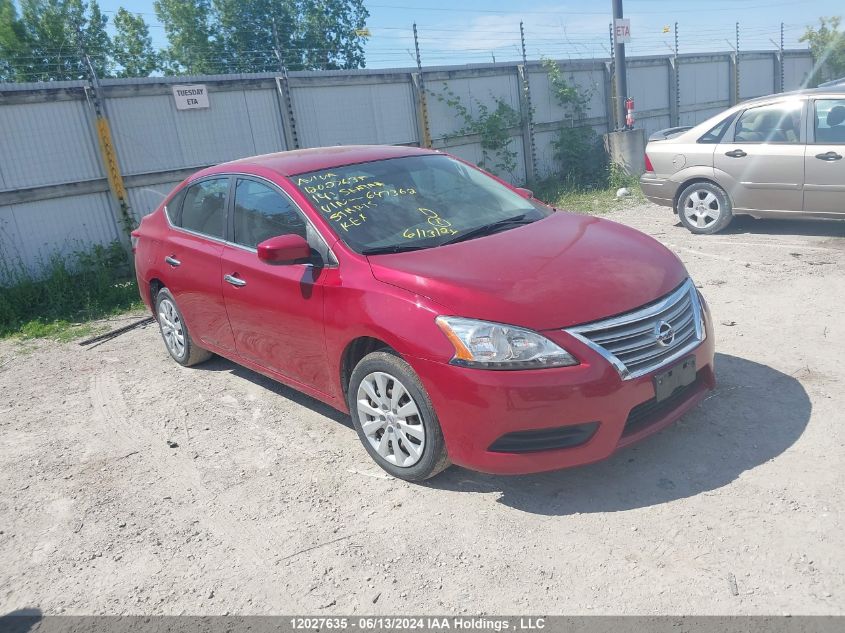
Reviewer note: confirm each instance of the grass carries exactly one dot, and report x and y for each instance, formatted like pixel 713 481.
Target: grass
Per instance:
pixel 60 303
pixel 590 200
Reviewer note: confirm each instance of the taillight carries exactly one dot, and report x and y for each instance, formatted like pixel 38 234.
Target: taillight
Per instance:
pixel 648 165
pixel 134 240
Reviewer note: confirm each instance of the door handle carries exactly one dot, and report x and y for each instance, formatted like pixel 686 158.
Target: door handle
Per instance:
pixel 235 281
pixel 172 261
pixel 829 156
pixel 736 153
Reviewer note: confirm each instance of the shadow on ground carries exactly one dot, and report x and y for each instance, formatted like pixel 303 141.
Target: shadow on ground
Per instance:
pixel 218 363
pixel 755 414
pixel 746 225
pixel 20 620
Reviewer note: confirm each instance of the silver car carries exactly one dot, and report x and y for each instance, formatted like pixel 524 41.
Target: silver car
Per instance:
pixel 777 156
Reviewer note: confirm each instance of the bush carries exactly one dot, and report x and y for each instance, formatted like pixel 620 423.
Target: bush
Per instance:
pixel 582 157
pixel 91 284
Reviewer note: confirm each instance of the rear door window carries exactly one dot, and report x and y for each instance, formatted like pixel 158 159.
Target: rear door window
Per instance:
pixel 204 208
pixel 830 121
pixel 773 123
pixel 715 134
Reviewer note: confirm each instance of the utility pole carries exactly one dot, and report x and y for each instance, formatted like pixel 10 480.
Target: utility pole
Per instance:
pixel 621 73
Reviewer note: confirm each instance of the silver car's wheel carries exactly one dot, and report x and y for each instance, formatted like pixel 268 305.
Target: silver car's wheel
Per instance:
pixel 172 329
pixel 704 207
pixel 390 419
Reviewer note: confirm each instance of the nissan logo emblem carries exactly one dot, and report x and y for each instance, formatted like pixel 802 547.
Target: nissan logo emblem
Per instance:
pixel 664 333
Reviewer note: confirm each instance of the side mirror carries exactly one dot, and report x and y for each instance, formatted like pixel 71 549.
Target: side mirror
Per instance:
pixel 525 193
pixel 284 249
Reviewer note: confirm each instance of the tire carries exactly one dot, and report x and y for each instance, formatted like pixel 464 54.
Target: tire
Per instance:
pixel 704 208
pixel 174 332
pixel 414 449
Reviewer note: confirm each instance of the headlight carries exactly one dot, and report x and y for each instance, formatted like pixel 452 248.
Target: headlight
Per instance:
pixel 488 345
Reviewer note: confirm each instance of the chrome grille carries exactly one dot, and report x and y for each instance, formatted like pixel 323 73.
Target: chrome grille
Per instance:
pixel 648 338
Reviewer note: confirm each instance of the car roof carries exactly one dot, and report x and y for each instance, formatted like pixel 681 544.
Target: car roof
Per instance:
pixel 301 161
pixel 835 91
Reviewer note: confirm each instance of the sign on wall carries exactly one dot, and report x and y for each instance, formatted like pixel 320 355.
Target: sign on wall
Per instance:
pixel 622 30
pixel 190 97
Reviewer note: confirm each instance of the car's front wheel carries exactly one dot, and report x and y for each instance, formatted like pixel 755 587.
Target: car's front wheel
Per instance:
pixel 704 208
pixel 175 333
pixel 394 418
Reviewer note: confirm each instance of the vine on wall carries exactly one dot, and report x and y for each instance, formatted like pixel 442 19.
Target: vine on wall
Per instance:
pixel 493 125
pixel 578 148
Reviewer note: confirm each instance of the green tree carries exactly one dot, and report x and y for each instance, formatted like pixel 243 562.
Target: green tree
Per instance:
pixel 827 43
pixel 13 48
pixel 53 34
pixel 193 43
pixel 333 34
pixel 132 46
pixel 255 34
pixel 95 39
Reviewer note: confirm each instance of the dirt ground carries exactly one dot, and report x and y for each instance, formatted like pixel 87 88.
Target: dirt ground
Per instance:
pixel 269 504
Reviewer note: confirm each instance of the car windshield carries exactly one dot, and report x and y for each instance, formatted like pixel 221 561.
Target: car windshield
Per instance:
pixel 413 202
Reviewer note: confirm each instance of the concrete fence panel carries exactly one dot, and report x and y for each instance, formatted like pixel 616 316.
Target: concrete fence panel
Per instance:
pixel 54 197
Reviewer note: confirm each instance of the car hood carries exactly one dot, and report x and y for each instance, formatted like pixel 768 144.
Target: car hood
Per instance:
pixel 563 270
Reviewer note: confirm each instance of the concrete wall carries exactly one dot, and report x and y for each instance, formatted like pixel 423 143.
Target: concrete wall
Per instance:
pixel 54 196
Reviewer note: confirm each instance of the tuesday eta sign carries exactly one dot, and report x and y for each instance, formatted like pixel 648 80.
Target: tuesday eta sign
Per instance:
pixel 190 97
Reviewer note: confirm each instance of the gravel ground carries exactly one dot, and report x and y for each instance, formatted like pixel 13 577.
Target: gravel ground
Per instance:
pixel 270 505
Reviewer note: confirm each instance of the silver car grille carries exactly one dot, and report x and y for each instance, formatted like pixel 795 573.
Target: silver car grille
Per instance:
pixel 650 337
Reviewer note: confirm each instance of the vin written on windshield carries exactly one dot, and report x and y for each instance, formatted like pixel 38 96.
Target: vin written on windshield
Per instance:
pixel 410 203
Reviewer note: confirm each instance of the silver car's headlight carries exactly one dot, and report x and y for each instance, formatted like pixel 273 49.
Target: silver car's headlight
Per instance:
pixel 486 345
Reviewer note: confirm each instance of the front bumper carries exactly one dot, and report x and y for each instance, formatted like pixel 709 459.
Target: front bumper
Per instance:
pixel 658 190
pixel 478 407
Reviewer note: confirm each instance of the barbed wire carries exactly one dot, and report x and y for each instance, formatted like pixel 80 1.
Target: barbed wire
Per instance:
pixel 390 45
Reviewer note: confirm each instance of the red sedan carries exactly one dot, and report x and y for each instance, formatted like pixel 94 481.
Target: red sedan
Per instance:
pixel 457 319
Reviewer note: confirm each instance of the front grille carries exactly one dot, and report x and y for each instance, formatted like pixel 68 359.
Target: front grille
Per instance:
pixel 651 411
pixel 631 342
pixel 544 439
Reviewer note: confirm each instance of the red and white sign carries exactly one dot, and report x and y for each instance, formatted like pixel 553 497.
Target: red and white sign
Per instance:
pixel 622 28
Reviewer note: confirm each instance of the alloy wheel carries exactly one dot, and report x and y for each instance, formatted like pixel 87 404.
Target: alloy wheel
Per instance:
pixel 702 208
pixel 390 419
pixel 171 328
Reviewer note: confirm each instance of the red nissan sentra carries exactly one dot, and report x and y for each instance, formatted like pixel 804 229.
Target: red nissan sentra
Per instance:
pixel 457 319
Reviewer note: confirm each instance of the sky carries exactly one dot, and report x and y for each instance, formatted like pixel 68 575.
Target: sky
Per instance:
pixel 479 31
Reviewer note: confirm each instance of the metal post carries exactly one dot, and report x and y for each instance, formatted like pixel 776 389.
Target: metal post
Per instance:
pixel 621 73
pixel 676 80
pixel 529 147
pixel 288 118
pixel 425 140
pixel 607 78
pixel 736 66
pixel 123 216
pixel 782 59
pixel 610 71
pixel 288 115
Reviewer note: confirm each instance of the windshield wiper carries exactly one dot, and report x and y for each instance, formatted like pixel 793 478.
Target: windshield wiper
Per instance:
pixel 489 229
pixel 395 248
